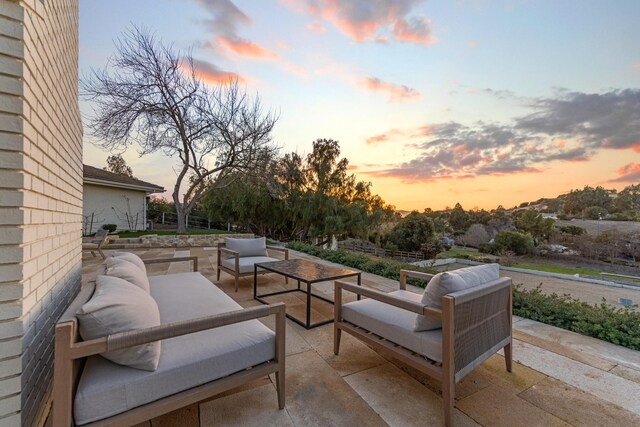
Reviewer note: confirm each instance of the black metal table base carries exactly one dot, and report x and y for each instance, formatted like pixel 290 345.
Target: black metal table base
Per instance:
pixel 307 324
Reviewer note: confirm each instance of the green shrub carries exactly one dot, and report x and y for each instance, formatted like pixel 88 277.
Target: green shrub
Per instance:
pixel 109 227
pixel 573 230
pixel 518 243
pixel 616 325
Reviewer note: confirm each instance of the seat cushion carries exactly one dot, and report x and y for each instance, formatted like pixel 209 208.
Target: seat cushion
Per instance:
pixel 107 389
pixel 118 306
pixel 452 281
pixel 124 269
pixel 247 247
pixel 246 264
pixel 395 324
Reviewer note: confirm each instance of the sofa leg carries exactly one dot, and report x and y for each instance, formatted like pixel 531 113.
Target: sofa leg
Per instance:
pixel 280 388
pixel 508 357
pixel 236 283
pixel 448 391
pixel 337 334
pixel 218 275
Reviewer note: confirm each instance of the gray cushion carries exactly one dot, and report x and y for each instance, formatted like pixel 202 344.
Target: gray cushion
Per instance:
pixel 247 247
pixel 133 258
pixel 246 263
pixel 452 281
pixel 123 269
pixel 395 324
pixel 118 306
pixel 108 389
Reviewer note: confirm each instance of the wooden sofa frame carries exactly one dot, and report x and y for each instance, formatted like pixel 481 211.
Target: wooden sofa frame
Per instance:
pixel 96 244
pixel 467 318
pixel 222 249
pixel 71 352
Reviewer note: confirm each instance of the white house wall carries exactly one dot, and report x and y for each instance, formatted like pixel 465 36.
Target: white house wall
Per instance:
pixel 109 206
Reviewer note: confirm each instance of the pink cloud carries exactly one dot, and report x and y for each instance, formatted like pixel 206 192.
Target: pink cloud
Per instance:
pixel 397 93
pixel 473 45
pixel 247 48
pixel 637 66
pixel 211 73
pixel 628 173
pixel 282 45
pixel 416 30
pixel 317 27
pixel 364 20
pixel 295 70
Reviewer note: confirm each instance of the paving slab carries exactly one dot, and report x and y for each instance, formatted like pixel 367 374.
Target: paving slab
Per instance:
pixel 602 384
pixel 626 373
pixel 318 396
pixel 592 351
pixel 577 407
pixel 256 407
pixel 401 400
pixel 497 406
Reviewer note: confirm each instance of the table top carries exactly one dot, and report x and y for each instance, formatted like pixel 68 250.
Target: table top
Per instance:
pixel 307 271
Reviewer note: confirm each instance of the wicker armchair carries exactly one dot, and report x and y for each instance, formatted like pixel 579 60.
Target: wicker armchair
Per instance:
pixel 476 323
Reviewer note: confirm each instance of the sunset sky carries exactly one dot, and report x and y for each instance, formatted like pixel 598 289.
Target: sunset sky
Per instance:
pixel 434 102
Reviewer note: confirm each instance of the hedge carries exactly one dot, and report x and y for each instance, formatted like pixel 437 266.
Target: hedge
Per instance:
pixel 619 326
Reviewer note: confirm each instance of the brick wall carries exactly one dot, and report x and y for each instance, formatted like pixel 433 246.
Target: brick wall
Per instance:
pixel 40 195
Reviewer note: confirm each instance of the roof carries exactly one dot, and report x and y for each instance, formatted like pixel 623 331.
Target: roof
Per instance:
pixel 97 176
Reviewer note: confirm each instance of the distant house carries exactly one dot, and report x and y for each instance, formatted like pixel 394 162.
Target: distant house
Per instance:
pixel 109 198
pixel 550 215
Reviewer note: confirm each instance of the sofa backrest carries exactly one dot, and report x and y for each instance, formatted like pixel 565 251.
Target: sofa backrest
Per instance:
pixel 247 247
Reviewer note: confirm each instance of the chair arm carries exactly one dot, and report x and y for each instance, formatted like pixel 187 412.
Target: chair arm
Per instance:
pixel 415 274
pixel 389 299
pixel 229 251
pixel 142 336
pixel 164 260
pixel 279 249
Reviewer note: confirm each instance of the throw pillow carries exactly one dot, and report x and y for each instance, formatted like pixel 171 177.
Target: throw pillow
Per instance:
pixel 133 258
pixel 452 281
pixel 117 306
pixel 123 269
pixel 247 247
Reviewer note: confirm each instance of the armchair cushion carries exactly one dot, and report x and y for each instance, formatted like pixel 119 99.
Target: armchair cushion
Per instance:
pixel 132 258
pixel 246 264
pixel 452 281
pixel 395 324
pixel 247 247
pixel 118 306
pixel 123 269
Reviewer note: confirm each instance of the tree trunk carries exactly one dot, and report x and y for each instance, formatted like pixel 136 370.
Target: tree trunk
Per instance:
pixel 182 219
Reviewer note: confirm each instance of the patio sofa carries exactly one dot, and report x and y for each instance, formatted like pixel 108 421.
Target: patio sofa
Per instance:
pixel 238 256
pixel 463 318
pixel 210 344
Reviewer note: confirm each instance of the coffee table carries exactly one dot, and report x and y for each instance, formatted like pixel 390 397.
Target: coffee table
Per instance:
pixel 304 272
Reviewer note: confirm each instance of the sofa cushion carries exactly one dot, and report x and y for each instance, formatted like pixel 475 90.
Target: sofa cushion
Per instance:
pixel 107 389
pixel 395 324
pixel 247 247
pixel 246 264
pixel 452 281
pixel 118 306
pixel 133 258
pixel 123 269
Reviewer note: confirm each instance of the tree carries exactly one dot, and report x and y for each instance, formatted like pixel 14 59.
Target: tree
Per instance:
pixel 532 222
pixel 412 232
pixel 518 243
pixel 459 219
pixel 475 236
pixel 593 212
pixel 118 165
pixel 152 95
pixel 577 200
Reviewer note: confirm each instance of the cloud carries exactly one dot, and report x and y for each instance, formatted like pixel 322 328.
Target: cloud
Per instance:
pixel 628 173
pixel 317 27
pixel 243 47
pixel 364 20
pixel 211 73
pixel 473 45
pixel 223 25
pixel 570 127
pixel 415 30
pixel 396 93
pixel 637 66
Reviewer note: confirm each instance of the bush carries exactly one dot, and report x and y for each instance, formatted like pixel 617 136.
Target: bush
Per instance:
pixel 109 227
pixel 594 212
pixel 620 326
pixel 518 243
pixel 573 230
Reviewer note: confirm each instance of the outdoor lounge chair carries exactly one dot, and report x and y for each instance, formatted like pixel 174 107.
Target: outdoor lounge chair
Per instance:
pixel 238 256
pixel 476 323
pixel 96 243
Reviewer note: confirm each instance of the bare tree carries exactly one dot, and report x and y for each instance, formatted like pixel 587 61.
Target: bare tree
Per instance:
pixel 151 94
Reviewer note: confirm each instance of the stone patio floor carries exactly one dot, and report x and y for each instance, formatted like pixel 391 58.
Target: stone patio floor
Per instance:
pixel 559 378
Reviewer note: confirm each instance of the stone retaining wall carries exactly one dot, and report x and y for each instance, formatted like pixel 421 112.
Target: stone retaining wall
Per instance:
pixel 172 241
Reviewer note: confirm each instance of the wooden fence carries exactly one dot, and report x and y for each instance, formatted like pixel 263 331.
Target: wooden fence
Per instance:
pixel 380 252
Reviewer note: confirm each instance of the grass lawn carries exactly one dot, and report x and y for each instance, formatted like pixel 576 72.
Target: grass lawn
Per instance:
pixel 128 234
pixel 461 253
pixel 559 269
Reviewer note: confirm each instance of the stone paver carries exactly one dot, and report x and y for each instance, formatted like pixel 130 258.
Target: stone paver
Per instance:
pixel 559 377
